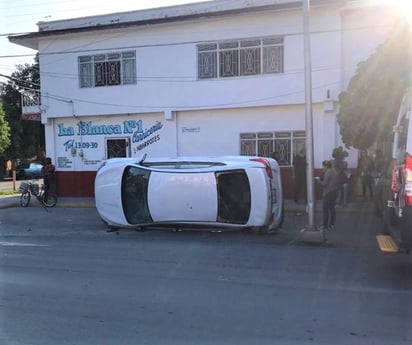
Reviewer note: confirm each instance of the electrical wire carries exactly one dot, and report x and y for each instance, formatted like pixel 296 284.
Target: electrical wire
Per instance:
pixel 180 107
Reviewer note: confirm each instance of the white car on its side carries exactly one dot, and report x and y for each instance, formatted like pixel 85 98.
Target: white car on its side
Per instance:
pixel 229 191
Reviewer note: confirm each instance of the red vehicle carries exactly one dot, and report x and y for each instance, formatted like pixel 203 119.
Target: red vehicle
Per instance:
pixel 393 193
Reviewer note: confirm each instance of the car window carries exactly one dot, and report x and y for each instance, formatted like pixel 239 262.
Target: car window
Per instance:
pixel 135 183
pixel 234 197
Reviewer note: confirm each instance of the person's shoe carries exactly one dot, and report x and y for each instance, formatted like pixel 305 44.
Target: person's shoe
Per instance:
pixel 331 227
pixel 323 228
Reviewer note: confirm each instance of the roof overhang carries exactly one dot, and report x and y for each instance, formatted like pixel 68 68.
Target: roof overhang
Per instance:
pixel 156 16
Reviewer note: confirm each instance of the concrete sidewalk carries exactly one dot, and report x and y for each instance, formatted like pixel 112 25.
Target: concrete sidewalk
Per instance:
pixel 7 201
pixel 357 206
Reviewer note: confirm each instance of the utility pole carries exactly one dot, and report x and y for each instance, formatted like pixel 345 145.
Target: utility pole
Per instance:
pixel 311 233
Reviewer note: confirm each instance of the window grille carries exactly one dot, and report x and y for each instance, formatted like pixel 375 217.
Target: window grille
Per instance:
pixel 281 145
pixel 117 147
pixel 107 69
pixel 240 58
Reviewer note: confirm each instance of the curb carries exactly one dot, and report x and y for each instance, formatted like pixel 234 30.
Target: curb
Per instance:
pixel 10 201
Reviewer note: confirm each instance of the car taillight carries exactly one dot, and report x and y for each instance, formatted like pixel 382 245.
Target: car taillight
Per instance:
pixel 265 163
pixel 408 180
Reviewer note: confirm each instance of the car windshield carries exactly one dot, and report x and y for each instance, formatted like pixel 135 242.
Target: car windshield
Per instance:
pixel 134 195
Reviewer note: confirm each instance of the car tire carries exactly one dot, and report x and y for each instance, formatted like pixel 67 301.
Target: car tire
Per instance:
pixel 405 227
pixel 378 202
pixel 25 199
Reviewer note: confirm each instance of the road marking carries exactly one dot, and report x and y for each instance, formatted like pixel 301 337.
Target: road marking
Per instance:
pixel 21 244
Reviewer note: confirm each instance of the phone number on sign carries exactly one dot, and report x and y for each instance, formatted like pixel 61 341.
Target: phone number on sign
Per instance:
pixel 68 145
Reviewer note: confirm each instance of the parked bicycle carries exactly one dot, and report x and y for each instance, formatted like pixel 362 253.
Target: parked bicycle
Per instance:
pixel 27 189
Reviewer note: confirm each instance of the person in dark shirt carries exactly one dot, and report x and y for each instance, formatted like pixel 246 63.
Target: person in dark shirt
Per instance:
pixel 49 177
pixel 299 175
pixel 330 187
pixel 366 169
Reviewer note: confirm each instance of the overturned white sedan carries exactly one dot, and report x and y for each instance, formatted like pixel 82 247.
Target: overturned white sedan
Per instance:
pixel 215 192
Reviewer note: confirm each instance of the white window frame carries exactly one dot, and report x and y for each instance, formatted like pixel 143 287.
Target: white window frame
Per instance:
pixel 280 144
pixel 109 69
pixel 246 57
pixel 126 141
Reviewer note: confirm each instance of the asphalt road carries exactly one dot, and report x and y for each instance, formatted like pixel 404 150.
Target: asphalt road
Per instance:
pixel 65 280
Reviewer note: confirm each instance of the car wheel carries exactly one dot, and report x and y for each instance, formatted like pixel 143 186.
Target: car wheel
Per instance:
pixel 378 201
pixel 387 219
pixel 405 225
pixel 25 199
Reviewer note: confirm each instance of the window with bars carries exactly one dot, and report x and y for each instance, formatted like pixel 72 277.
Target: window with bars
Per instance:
pixel 107 69
pixel 281 145
pixel 240 58
pixel 117 147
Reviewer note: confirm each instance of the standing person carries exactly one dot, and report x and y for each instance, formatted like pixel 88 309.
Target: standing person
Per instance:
pixel 330 192
pixel 379 165
pixel 299 175
pixel 366 169
pixel 341 166
pixel 346 185
pixel 49 177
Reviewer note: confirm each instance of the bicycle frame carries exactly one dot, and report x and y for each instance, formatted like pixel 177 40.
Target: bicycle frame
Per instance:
pixel 28 189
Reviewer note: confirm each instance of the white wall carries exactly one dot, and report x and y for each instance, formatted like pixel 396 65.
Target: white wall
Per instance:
pixel 167 66
pixel 213 111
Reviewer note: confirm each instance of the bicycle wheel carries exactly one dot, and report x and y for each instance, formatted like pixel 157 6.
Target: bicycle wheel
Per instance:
pixel 50 201
pixel 25 199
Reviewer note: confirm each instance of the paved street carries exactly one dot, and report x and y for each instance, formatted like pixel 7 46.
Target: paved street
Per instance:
pixel 66 280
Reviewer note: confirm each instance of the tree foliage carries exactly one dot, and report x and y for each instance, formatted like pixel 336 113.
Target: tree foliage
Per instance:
pixel 27 137
pixel 4 132
pixel 369 106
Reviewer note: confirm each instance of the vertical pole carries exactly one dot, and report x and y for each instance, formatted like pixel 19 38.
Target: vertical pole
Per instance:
pixel 310 233
pixel 308 113
pixel 14 180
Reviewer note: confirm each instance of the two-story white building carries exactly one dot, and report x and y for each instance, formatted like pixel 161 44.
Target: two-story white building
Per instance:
pixel 220 77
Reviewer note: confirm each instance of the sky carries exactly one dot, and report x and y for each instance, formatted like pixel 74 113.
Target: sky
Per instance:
pixel 21 16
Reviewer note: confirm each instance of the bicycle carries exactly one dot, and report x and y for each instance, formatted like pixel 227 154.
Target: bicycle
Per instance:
pixel 27 189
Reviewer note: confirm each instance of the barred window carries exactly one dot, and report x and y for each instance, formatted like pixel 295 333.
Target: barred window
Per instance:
pixel 107 69
pixel 281 145
pixel 240 58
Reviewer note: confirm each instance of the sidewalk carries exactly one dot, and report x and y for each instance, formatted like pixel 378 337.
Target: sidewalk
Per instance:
pixel 7 201
pixel 356 206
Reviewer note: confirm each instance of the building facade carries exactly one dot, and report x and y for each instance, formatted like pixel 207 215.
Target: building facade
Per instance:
pixel 221 77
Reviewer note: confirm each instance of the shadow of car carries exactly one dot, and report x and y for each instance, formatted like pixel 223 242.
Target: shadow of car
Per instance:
pixel 29 171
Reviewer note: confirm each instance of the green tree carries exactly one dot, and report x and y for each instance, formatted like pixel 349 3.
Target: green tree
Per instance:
pixel 27 137
pixel 4 132
pixel 368 108
pixel 4 140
